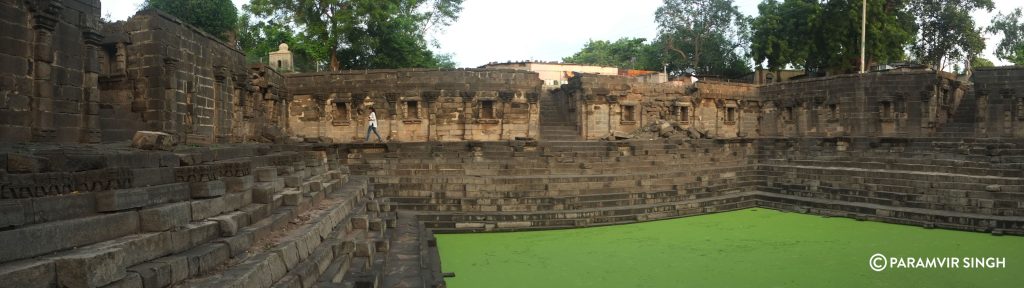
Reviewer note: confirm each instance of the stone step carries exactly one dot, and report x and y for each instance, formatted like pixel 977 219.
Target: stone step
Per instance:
pixel 295 254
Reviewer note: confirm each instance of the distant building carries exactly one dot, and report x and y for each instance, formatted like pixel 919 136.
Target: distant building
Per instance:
pixel 282 60
pixel 553 73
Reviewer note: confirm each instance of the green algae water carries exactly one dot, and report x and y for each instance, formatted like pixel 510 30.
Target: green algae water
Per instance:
pixel 747 248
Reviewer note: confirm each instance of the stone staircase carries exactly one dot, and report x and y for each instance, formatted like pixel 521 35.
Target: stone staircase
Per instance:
pixel 361 215
pixel 555 124
pixel 964 121
pixel 284 216
pixel 560 184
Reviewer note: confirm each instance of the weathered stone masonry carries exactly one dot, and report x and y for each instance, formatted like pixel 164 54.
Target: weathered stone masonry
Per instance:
pixel 416 105
pixel 465 154
pixel 905 104
pixel 48 71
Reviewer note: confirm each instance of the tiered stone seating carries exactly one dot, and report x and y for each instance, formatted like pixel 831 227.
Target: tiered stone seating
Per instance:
pixel 245 216
pixel 561 184
pixel 956 184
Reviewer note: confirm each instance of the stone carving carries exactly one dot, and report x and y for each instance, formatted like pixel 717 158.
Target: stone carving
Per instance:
pixel 140 90
pixel 120 60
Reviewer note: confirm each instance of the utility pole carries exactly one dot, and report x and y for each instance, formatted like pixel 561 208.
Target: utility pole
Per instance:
pixel 863 31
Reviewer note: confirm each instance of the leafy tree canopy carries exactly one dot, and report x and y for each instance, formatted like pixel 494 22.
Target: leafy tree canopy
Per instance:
pixel 359 34
pixel 632 53
pixel 217 17
pixel 708 37
pixel 1011 48
pixel 948 33
pixel 825 35
pixel 980 62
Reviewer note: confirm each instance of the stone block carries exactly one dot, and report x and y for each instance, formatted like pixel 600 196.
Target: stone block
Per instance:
pixel 11 213
pixel 131 280
pixel 23 163
pixel 292 181
pixel 265 174
pixel 206 258
pixel 372 206
pixel 256 211
pixel 152 140
pixel 152 176
pixel 123 199
pixel 208 189
pixel 235 201
pixel 153 274
pixel 35 273
pixel 231 222
pixel 178 266
pixel 238 184
pixel 360 222
pixel 53 236
pixel 364 249
pixel 238 244
pixel 60 207
pixel 88 268
pixel 202 232
pixel 289 253
pixel 206 208
pixel 315 186
pixel 170 193
pixel 165 217
pixel 291 197
pixel 263 192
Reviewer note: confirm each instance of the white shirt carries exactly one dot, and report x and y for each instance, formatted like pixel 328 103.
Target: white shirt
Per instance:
pixel 373 119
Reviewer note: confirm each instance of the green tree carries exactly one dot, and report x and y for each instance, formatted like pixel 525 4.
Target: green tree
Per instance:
pixel 707 36
pixel 217 17
pixel 825 36
pixel 781 33
pixel 632 53
pixel 948 33
pixel 360 34
pixel 980 62
pixel 258 39
pixel 1011 48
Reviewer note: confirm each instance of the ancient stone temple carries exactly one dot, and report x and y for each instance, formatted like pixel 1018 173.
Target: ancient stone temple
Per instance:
pixel 147 153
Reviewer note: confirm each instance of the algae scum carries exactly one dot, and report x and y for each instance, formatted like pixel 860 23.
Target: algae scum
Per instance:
pixel 747 248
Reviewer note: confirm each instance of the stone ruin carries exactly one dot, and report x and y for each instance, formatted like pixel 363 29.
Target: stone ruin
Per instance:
pixel 241 176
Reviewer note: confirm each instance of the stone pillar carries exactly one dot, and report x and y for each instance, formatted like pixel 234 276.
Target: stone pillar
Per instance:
pixel 166 114
pixel 220 76
pixel 46 15
pixel 392 99
pixel 429 98
pixel 533 119
pixel 90 88
pixel 467 114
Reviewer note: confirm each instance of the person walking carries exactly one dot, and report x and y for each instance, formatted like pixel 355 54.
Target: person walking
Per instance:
pixel 373 126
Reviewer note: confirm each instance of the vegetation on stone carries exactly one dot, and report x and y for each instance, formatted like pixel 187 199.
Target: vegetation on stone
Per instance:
pixel 216 17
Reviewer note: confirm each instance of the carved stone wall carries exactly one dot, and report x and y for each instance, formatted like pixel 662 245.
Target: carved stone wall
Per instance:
pixel 171 77
pixel 48 80
pixel 999 93
pixel 613 105
pixel 415 104
pixel 905 104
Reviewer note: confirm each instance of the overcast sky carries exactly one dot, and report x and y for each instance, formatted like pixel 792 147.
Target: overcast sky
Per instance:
pixel 489 30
